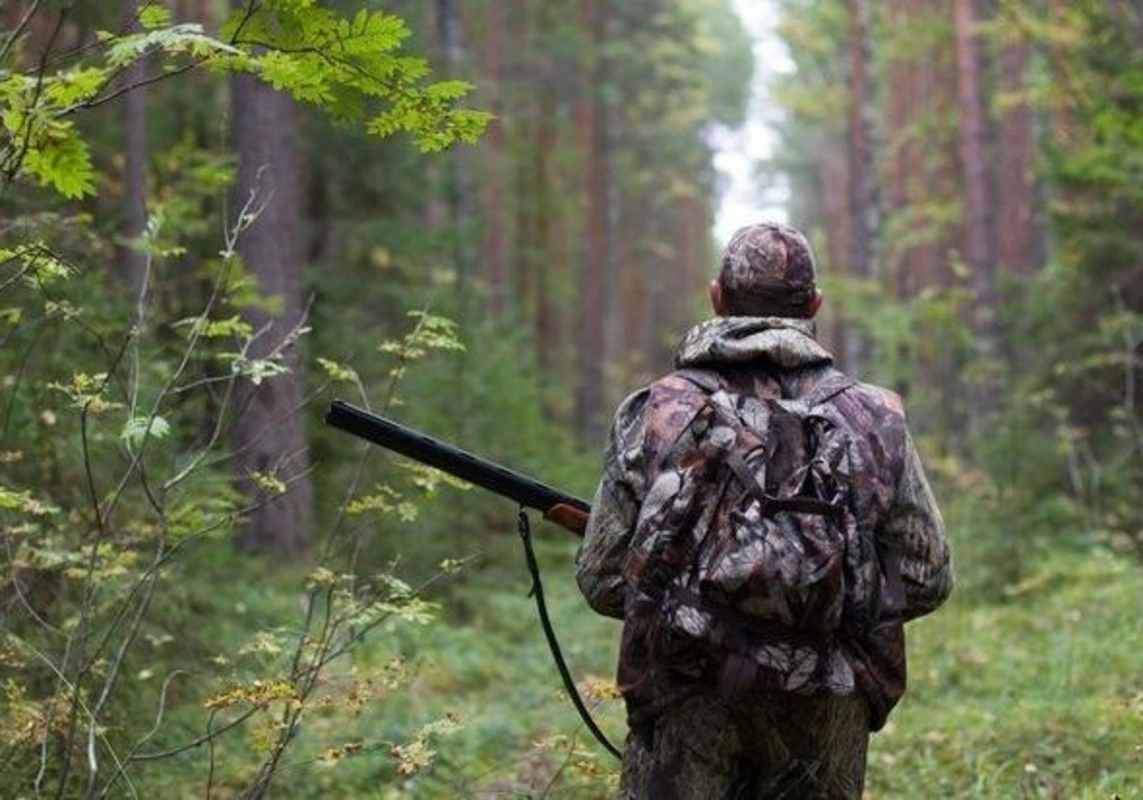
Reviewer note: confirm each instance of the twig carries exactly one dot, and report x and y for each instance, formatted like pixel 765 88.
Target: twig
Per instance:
pixel 18 30
pixel 121 772
pixel 77 705
pixel 206 738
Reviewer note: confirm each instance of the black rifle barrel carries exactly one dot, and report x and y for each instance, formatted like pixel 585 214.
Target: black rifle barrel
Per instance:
pixel 435 453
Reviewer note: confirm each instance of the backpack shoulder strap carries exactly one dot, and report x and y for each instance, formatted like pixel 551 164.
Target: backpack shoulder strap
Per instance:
pixel 834 383
pixel 829 387
pixel 706 379
pixel 679 406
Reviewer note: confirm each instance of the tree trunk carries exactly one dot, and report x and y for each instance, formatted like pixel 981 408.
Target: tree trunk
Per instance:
pixel 449 34
pixel 132 263
pixel 494 241
pixel 595 264
pixel 832 208
pixel 864 210
pixel 896 183
pixel 1021 241
pixel 543 262
pixel 1021 236
pixel 269 436
pixel 979 250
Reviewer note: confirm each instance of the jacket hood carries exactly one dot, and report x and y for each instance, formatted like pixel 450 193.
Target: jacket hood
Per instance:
pixel 786 343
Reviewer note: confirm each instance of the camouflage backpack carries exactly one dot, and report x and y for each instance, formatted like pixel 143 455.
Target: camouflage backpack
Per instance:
pixel 747 557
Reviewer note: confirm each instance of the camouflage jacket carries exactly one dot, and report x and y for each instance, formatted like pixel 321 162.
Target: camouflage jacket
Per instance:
pixel 892 494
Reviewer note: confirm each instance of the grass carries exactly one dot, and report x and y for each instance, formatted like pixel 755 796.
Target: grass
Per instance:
pixel 1037 694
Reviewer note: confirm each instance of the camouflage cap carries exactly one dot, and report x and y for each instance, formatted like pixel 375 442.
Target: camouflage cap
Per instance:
pixel 767 268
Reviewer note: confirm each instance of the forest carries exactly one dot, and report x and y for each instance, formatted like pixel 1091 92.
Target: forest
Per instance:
pixel 492 220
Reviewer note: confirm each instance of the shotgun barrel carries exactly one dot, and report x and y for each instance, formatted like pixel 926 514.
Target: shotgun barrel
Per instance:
pixel 569 511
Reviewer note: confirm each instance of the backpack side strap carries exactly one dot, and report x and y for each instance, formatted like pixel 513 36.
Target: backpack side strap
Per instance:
pixel 796 505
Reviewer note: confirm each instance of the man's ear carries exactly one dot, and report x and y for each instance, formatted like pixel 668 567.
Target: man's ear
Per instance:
pixel 716 297
pixel 815 303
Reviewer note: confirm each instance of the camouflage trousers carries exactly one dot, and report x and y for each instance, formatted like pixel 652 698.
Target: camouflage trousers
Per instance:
pixel 765 746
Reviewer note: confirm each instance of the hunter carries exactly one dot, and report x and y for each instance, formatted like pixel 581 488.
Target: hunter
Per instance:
pixel 704 724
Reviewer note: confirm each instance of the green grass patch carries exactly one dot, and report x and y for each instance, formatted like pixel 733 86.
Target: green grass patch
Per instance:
pixel 1038 695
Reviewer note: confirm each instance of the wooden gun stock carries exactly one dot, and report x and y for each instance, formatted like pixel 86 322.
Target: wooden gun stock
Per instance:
pixel 567 516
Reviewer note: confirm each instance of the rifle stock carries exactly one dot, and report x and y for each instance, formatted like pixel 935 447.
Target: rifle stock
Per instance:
pixel 561 508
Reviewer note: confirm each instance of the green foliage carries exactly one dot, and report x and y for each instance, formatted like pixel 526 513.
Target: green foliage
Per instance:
pixel 116 498
pixel 352 68
pixel 431 333
pixel 132 502
pixel 901 333
pixel 726 50
pixel 1032 691
pixel 680 67
pixel 142 657
pixel 815 37
pixel 1037 696
pixel 1073 420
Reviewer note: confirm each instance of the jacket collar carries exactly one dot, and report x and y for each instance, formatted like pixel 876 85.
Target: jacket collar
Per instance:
pixel 786 343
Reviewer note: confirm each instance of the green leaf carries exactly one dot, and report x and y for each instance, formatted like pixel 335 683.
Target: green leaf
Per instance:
pixel 137 429
pixel 233 326
pixel 74 86
pixel 184 38
pixel 338 372
pixel 269 484
pixel 258 369
pixel 63 162
pixel 427 479
pixel 154 15
pixel 384 500
pixel 23 502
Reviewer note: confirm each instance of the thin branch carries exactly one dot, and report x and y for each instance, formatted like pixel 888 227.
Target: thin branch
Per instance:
pixel 19 29
pixel 121 772
pixel 1130 390
pixel 97 101
pixel 115 668
pixel 20 597
pixel 77 705
pixel 248 14
pixel 206 738
pixel 168 555
pixel 245 218
pixel 560 770
pixel 41 69
pixel 210 754
pixel 27 354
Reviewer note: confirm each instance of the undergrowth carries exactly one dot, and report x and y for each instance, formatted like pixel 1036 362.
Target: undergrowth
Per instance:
pixel 1035 695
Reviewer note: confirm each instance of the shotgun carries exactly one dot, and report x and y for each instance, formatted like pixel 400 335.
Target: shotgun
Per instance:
pixel 559 507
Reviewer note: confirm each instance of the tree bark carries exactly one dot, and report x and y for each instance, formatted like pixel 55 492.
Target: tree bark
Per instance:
pixel 896 183
pixel 268 435
pixel 595 264
pixel 450 35
pixel 494 236
pixel 543 262
pixel 864 200
pixel 833 211
pixel 132 263
pixel 979 211
pixel 1021 241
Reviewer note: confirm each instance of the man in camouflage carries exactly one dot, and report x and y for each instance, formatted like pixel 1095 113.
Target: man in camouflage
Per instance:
pixel 689 739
